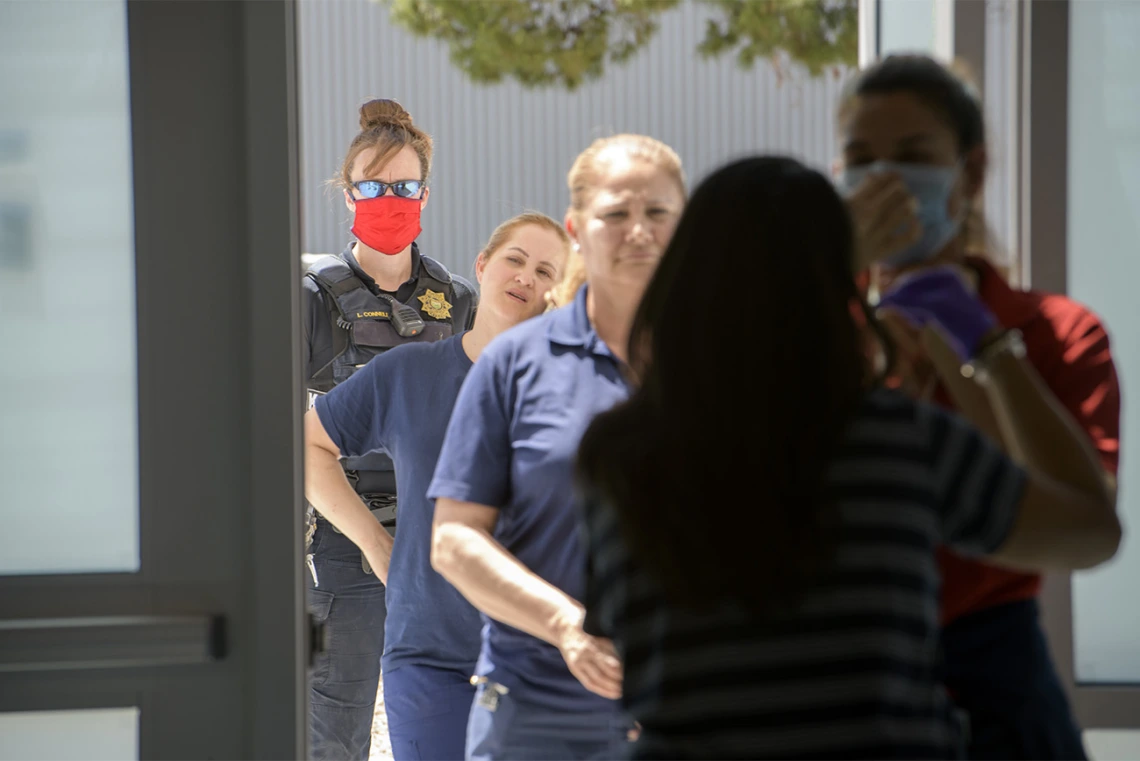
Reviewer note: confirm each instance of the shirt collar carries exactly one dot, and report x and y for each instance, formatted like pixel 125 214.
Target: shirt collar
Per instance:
pixel 570 326
pixel 365 278
pixel 1012 308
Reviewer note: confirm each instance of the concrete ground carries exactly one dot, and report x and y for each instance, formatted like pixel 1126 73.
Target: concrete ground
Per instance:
pixel 381 750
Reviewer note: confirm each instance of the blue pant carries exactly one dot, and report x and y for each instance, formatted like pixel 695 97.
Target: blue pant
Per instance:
pixel 345 679
pixel 998 669
pixel 504 728
pixel 427 712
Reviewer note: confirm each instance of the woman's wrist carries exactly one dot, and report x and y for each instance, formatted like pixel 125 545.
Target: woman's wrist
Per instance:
pixel 995 334
pixel 993 351
pixel 378 539
pixel 566 620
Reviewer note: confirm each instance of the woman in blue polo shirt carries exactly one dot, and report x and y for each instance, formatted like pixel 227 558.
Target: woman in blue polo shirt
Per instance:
pixel 506 523
pixel 400 402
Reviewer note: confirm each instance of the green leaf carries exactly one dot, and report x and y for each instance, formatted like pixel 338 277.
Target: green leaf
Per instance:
pixel 568 42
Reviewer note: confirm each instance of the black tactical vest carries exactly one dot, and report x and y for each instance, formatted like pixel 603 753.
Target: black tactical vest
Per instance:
pixel 361 326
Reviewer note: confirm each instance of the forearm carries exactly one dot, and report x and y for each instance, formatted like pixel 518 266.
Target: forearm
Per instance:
pixel 970 399
pixel 1040 433
pixel 329 492
pixel 497 584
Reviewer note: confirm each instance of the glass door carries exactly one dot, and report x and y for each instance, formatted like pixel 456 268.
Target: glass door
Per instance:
pixel 149 603
pixel 1082 132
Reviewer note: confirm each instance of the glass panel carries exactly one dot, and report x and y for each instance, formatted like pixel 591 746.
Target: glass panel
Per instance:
pixel 68 451
pixel 1103 270
pixel 1112 744
pixel 906 26
pixel 86 735
pixel 1001 109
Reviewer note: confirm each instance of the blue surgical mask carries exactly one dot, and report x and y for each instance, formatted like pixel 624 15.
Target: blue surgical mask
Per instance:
pixel 930 186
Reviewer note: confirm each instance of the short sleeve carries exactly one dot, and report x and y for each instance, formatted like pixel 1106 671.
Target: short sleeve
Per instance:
pixel 977 487
pixel 355 413
pixel 475 461
pixel 1085 382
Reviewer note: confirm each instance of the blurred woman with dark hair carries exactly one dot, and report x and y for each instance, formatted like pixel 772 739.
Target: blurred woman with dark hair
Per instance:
pixel 761 545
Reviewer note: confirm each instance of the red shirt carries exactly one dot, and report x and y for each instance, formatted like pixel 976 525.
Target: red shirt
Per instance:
pixel 1069 348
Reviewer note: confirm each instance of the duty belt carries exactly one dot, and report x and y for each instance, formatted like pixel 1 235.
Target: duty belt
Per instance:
pixel 381 505
pixel 383 508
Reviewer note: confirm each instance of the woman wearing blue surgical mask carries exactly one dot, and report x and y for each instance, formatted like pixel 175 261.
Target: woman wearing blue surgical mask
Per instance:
pixel 910 176
pixel 914 163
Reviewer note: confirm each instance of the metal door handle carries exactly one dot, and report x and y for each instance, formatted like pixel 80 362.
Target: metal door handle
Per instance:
pixel 99 642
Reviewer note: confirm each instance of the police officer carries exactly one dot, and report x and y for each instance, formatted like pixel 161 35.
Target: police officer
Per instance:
pixel 379 293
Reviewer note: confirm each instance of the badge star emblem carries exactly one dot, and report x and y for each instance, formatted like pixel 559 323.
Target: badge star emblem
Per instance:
pixel 435 305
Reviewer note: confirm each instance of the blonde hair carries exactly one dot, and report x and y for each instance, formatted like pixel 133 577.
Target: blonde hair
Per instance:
pixel 583 178
pixel 585 173
pixel 506 229
pixel 384 124
pixel 575 277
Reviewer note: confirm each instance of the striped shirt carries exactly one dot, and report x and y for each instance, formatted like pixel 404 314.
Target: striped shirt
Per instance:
pixel 853 672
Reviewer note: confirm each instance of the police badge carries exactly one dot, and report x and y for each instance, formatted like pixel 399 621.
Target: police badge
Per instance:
pixel 435 305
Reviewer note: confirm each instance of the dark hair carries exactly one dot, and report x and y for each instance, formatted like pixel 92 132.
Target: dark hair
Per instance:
pixel 948 94
pixel 384 124
pixel 716 464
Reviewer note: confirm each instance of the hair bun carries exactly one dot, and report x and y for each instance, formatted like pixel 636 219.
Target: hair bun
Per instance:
pixel 383 112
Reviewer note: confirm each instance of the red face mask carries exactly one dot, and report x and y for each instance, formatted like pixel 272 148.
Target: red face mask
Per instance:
pixel 387 224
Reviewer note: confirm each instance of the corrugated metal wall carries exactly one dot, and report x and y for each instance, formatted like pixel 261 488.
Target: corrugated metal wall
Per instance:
pixel 502 149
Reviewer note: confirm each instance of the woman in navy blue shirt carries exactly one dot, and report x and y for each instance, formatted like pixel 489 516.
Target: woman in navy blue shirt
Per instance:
pixel 400 402
pixel 506 523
